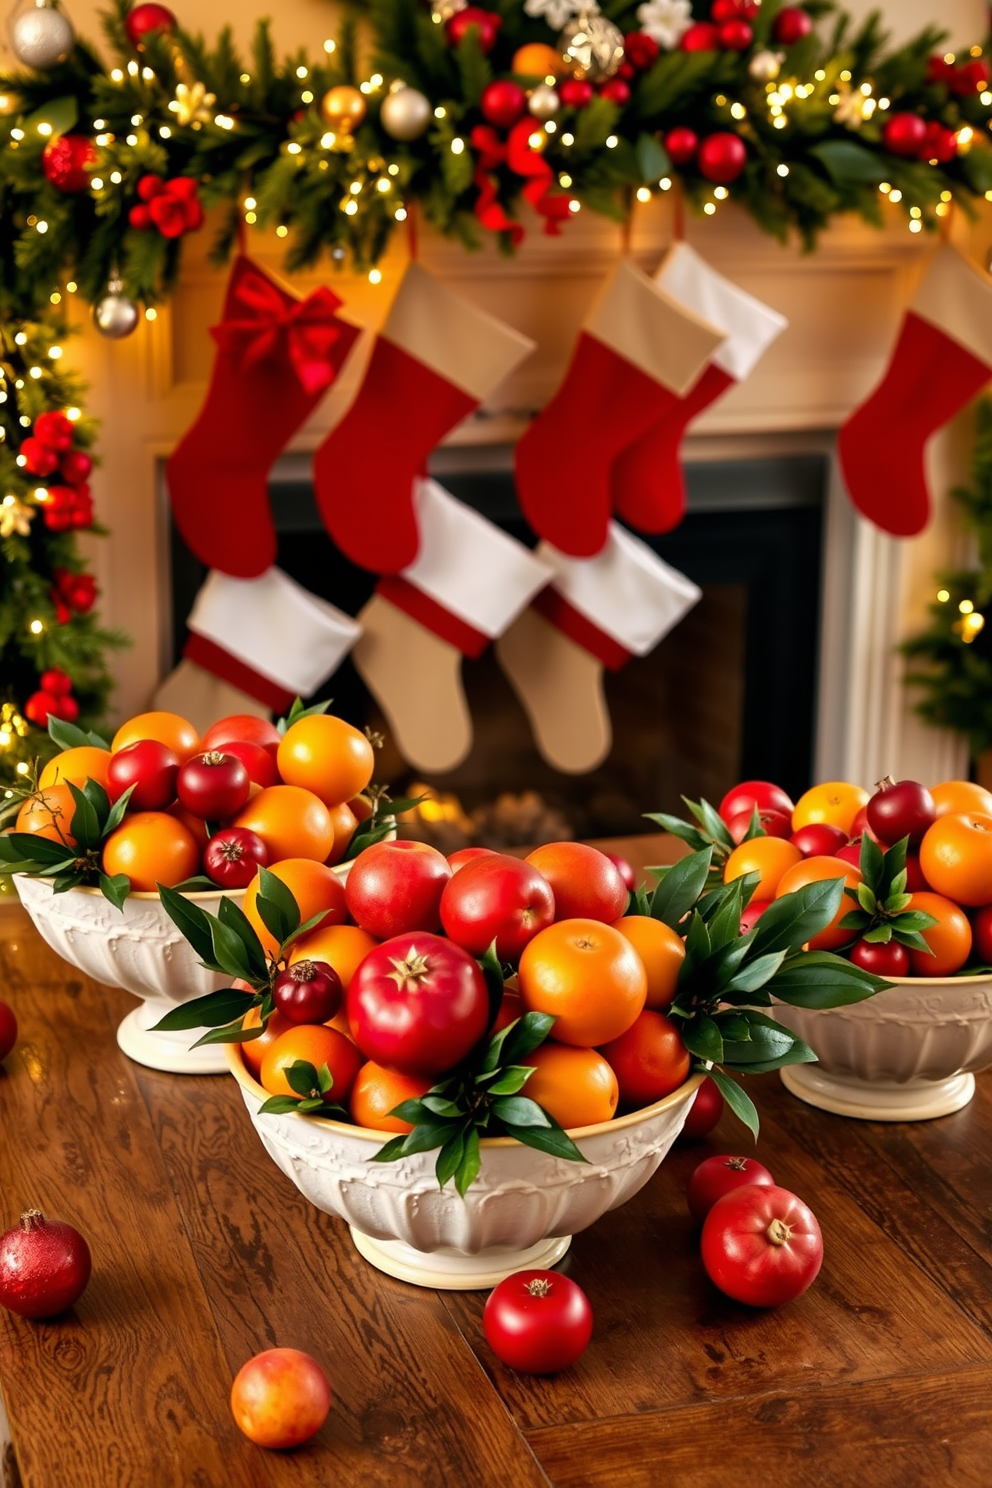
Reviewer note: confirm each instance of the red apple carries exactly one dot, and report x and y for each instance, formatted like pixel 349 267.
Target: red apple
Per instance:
pixel 244 728
pixel 775 823
pixel 751 793
pixel 152 768
pixel 499 899
pixel 257 760
pixel 819 840
pixel 624 869
pixel 752 914
pixel 851 853
pixel 395 888
pixel 465 855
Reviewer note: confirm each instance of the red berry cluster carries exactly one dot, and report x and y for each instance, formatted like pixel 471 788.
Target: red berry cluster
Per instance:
pixel 719 157
pixel 729 27
pixel 47 449
pixel 72 594
pixel 913 137
pixel 54 697
pixel 173 207
pixel 486 22
pixel 962 80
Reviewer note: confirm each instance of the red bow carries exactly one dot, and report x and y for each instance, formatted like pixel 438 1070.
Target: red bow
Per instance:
pixel 488 207
pixel 518 153
pixel 308 329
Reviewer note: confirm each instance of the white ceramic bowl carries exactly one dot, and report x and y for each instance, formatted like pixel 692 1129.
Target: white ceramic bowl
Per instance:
pixel 907 1054
pixel 522 1209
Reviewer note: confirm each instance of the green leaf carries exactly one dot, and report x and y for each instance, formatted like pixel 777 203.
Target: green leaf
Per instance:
pixel 712 823
pixel 60 114
pixel 703 1038
pixel 818 979
pixel 279 1105
pixel 724 920
pixel 233 1033
pixel 468 1168
pixel 733 1026
pixel 235 919
pixel 697 944
pixel 511 1080
pixel 491 969
pixel 652 159
pixel 871 861
pixel 517 1040
pixel 99 800
pixel 68 736
pixel 390 1151
pixel 878 935
pixel 681 887
pixel 117 810
pixel 450 1157
pixel 551 1139
pixel 37 849
pixel 791 921
pixel 678 828
pixel 893 864
pixel 517 1110
pixel 206 1012
pixel 85 824
pixel 301 1076
pixel 440 1105
pixel 913 941
pixel 741 1104
pixel 769 1047
pixel 427 1136
pixel 193 922
pixel 298 711
pixel 413 1111
pixel 848 162
pixel 325 1080
pixel 116 889
pixel 277 909
pixel 916 919
pixel 756 973
pixel 896 903
pixel 866 899
pixel 229 952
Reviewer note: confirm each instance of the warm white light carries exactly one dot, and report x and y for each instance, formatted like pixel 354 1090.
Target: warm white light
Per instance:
pixel 738 111
pixel 117 75
pixel 54 352
pixel 782 170
pixel 643 194
pixel 439 112
pixel 665 183
pixel 916 226
pixel 293 148
pixel 943 595
pixel 709 208
pixel 35 373
pixel 895 196
pixel 251 218
pixel 330 46
pixel 44 129
pixel 327 141
pixel 133 69
pixel 350 208
pixel 568 139
pixel 137 119
pixel 116 177
pixel 400 214
pixel 383 184
pixel 36 627
pixel 282 231
pixel 612 141
pixel 375 276
pixel 966 607
pixel 151 313
pixel 575 206
pixel 721 193
pixel 250 203
pixel 43 226
pixel 355 188
pixel 457 146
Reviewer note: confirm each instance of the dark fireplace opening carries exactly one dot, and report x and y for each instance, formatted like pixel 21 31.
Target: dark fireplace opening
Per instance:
pixel 728 695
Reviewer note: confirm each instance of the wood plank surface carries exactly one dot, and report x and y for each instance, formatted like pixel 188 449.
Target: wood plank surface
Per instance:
pixel 204 1253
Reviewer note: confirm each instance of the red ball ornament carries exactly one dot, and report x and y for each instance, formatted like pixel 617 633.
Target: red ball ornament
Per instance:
pixel 702 37
pixel 75 467
pixel 681 144
pixel 487 23
pixel 145 19
pixel 38 707
pixel 149 187
pixel 503 103
pixel 56 682
pixel 67 710
pixel 67 161
pixel 38 458
pixel 44 1266
pixel 54 431
pixel 904 134
pixel 736 35
pixel 140 218
pixel 939 145
pixel 791 25
pixel 971 78
pixel 721 158
pixel 939 70
pixel 617 91
pixel 640 50
pixel 576 93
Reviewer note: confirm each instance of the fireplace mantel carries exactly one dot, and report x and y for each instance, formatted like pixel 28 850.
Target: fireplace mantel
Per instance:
pixel 843 304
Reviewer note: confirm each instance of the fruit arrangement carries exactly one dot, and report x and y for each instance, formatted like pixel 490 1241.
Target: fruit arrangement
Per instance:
pixel 444 1001
pixel 916 865
pixel 161 806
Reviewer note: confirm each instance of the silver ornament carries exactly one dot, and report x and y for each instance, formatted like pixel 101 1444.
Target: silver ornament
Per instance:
pixel 405 113
pixel 42 37
pixel 115 315
pixel 544 102
pixel 591 46
pixel 765 67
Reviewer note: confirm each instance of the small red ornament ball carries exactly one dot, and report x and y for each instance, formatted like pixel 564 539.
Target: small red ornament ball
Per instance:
pixel 702 37
pixel 640 50
pixel 904 134
pixel 736 35
pixel 54 431
pixel 617 91
pixel 59 684
pixel 38 458
pixel 488 26
pixel 503 103
pixel 939 144
pixel 44 1266
pixel 791 25
pixel 576 93
pixel 144 19
pixel 721 158
pixel 67 162
pixel 681 144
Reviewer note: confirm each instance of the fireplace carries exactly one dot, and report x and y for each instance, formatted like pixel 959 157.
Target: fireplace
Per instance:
pixel 729 694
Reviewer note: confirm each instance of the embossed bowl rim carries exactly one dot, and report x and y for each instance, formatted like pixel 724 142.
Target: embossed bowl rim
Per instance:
pixel 247 1082
pixel 142 893
pixel 941 981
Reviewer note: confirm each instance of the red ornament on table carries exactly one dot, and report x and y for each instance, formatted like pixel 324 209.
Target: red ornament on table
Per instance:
pixel 503 103
pixel 640 50
pixel 791 25
pixel 735 35
pixel 576 93
pixel 485 21
pixel 67 162
pixel 702 37
pixel 904 134
pixel 722 157
pixel 617 91
pixel 144 20
pixel 44 1266
pixel 681 144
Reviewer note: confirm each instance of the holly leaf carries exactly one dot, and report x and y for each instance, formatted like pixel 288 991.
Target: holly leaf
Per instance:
pixel 681 887
pixel 739 1102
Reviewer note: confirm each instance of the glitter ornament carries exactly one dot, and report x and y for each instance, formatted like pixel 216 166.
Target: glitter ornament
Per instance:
pixel 67 162
pixel 591 47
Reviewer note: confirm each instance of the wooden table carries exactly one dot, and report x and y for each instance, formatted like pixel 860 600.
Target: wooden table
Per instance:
pixel 879 1377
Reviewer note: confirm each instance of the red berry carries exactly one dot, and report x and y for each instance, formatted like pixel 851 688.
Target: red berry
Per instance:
pixel 681 144
pixel 939 145
pixel 152 768
pixel 54 430
pixel 75 467
pixel 640 50
pixel 736 35
pixel 702 37
pixel 576 93
pixel 149 187
pixel 308 992
pixel 617 91
pixel 901 810
pixel 791 25
pixel 890 960
pixel 819 840
pixel 44 1266
pixel 233 857
pixel 8 1030
pixel 213 786
pixel 38 458
pixel 38 707
pixel 66 708
pixel 724 10
pixel 56 681
pixel 140 218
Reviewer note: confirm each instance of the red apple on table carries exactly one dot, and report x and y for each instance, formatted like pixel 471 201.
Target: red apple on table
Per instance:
pixel 750 793
pixel 497 898
pixel 395 887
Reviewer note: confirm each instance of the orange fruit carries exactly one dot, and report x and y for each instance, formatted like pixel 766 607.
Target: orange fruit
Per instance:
pixel 376 1091
pixel 662 952
pixel 587 976
pixel 325 755
pixel 956 857
pixel 291 821
pixel 253 1053
pixel 78 765
pixel 836 802
pixel 312 885
pixel 538 60
pixel 168 728
pixel 318 1046
pixel 958 797
pixel 649 1060
pixel 812 870
pixel 769 856
pixel 575 1086
pixel 194 824
pixel 152 848
pixel 344 823
pixel 342 946
pixel 49 815
pixel 949 939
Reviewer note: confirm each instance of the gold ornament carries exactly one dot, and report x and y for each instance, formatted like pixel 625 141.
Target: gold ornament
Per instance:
pixel 193 104
pixel 765 67
pixel 850 111
pixel 14 517
pixel 544 102
pixel 405 113
pixel 591 47
pixel 343 109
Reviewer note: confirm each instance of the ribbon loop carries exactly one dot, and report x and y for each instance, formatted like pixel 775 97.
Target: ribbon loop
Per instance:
pixel 267 321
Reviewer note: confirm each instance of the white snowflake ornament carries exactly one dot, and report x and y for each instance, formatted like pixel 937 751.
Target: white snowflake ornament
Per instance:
pixel 665 21
pixel 556 12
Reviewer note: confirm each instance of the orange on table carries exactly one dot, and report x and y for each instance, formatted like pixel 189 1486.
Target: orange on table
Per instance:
pixel 769 856
pixel 814 870
pixel 952 797
pixel 318 1046
pixel 345 822
pixel 291 821
pixel 587 976
pixel 956 857
pixel 342 946
pixel 314 887
pixel 576 1086
pixel 168 728
pixel 77 765
pixel 325 755
pixel 375 1093
pixel 836 802
pixel 661 949
pixel 48 815
pixel 949 940
pixel 254 1051
pixel 152 848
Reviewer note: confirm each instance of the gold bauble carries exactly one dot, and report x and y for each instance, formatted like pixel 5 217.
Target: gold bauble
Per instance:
pixel 765 66
pixel 537 60
pixel 591 47
pixel 343 108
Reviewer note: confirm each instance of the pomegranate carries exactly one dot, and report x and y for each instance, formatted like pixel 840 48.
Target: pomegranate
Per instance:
pixel 44 1266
